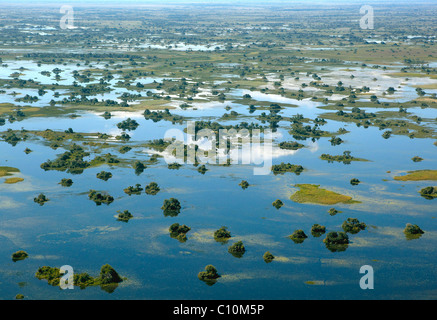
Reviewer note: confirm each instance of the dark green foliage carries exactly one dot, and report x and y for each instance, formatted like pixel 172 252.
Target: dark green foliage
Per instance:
pixel 71 161
pixel 209 276
pixel 108 275
pixel 100 198
pixel 333 211
pixel 268 257
pixel 237 249
pixel 179 232
pixel 353 226
pixel 335 141
pixel 157 116
pixel 298 236
pixel 19 255
pixel 171 207
pixel 66 182
pixel 290 145
pixel 105 176
pixel 355 182
pixel 174 166
pixel 128 124
pixel 222 234
pixel 429 193
pixel 202 169
pixel 244 184
pixel 41 199
pixel 277 203
pixel 413 231
pixel 417 159
pixel 152 188
pixel 139 167
pixel 317 230
pixel 124 149
pixel 346 157
pixel 133 190
pixel 124 216
pixel 336 241
pixel 27 151
pixel 286 167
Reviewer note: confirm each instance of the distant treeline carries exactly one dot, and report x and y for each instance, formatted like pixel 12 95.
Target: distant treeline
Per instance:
pixel 81 55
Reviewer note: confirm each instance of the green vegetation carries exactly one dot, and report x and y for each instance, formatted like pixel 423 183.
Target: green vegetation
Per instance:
pixel 171 207
pixel 336 241
pixel 294 145
pixel 418 175
pixel 41 199
pixel 152 188
pixel 346 158
pixel 202 169
pixel 298 236
pixel 333 211
pixel 108 276
pixel 209 276
pixel 124 216
pixel 222 234
pixel 355 182
pixel 66 182
pixel 268 257
pixel 179 231
pixel 100 198
pixel 311 193
pixel 317 230
pixel 244 184
pixel 237 249
pixel 353 226
pixel 286 167
pixel 417 159
pixel 277 204
pixel 7 171
pixel 105 176
pixel 128 124
pixel 413 231
pixel 13 180
pixel 133 190
pixel 429 192
pixel 174 166
pixel 19 255
pixel 19 296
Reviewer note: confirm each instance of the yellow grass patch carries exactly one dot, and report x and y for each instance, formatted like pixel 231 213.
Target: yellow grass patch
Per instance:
pixel 418 175
pixel 13 180
pixel 311 193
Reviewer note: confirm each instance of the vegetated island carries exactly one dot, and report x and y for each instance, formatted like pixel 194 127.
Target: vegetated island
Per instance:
pixel 346 158
pixel 413 231
pixel 209 276
pixel 418 175
pixel 108 277
pixel 311 193
pixel 429 192
pixel 287 167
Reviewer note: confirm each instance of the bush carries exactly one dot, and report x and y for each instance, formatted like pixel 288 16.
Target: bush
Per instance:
pixel 268 257
pixel 237 249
